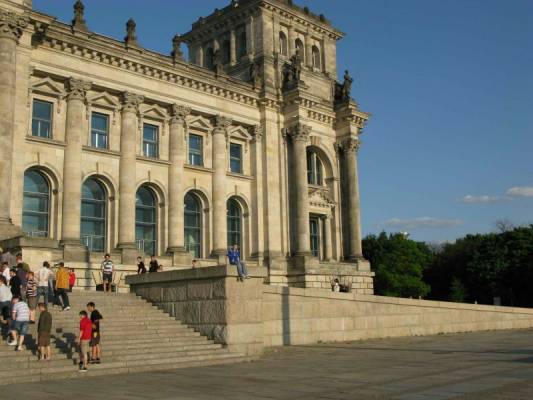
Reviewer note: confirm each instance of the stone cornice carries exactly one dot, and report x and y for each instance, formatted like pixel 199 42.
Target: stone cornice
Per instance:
pixel 101 49
pixel 12 24
pixel 349 113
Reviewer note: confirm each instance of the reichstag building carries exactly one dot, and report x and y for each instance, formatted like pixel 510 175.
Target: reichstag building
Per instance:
pixel 251 139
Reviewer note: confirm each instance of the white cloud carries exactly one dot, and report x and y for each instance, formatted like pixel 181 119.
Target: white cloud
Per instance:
pixel 470 199
pixel 421 222
pixel 520 191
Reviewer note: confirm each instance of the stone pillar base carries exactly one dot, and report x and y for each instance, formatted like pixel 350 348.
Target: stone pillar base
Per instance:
pixel 9 230
pixel 361 263
pixel 180 256
pixel 220 256
pixel 73 250
pixel 129 253
pixel 304 261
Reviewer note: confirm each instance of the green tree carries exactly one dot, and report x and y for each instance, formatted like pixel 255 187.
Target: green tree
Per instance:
pixel 398 263
pixel 457 291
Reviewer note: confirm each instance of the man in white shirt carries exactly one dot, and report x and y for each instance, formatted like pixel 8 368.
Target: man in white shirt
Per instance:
pixel 20 319
pixel 107 273
pixel 42 276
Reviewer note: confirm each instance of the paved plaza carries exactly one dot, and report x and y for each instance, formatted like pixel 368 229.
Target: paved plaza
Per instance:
pixel 487 365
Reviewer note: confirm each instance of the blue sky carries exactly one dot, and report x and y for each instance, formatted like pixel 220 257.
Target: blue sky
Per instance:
pixel 449 148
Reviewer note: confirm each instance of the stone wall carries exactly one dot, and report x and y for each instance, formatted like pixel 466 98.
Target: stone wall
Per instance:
pixel 248 316
pixel 294 316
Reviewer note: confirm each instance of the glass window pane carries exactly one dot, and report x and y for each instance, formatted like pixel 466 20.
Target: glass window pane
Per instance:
pixel 145 218
pixel 35 204
pixel 42 110
pixel 99 122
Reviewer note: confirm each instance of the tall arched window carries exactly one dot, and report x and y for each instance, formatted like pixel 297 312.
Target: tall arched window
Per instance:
pixel 226 52
pixel 93 215
pixel 36 204
pixel 299 46
pixel 208 58
pixel 234 224
pixel 316 57
pixel 283 50
pixel 314 169
pixel 241 43
pixel 146 220
pixel 193 225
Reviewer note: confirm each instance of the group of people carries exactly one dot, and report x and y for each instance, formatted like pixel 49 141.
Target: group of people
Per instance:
pixel 21 290
pixel 153 265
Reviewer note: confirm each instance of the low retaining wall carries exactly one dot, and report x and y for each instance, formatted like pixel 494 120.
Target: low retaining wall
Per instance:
pixel 247 316
pixel 304 316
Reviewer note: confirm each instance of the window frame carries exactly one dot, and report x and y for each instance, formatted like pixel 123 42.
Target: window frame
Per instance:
pixel 107 117
pixel 283 44
pixel 154 143
pixel 315 169
pixel 153 225
pixel 192 152
pixel 33 118
pixel 198 230
pixel 240 159
pixel 316 58
pixel 234 233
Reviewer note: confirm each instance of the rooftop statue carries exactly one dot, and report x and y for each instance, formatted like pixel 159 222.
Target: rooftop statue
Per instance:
pixel 131 39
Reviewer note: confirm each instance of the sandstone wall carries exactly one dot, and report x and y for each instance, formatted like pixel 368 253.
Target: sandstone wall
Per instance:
pixel 293 316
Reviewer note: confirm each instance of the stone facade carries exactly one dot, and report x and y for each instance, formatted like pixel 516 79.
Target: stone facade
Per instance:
pixel 254 128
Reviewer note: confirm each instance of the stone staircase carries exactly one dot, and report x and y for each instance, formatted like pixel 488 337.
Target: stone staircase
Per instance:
pixel 136 337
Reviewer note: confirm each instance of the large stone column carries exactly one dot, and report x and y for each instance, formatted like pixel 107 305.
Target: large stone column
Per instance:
pixel 220 167
pixel 350 147
pixel 177 148
pixel 70 236
pixel 299 134
pixel 127 177
pixel 11 26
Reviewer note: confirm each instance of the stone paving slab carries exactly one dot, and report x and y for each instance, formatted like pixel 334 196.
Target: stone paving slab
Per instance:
pixel 476 366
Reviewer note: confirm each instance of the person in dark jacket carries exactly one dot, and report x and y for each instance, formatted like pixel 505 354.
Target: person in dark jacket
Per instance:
pixel 15 283
pixel 44 328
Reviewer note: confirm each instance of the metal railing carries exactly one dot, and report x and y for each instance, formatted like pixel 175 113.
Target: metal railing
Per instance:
pixel 93 242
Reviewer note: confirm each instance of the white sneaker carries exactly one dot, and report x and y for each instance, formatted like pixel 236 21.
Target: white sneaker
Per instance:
pixel 66 308
pixel 13 343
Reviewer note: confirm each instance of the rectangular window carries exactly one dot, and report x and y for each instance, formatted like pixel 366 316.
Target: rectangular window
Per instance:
pixel 196 150
pixel 235 153
pixel 41 122
pixel 150 140
pixel 99 130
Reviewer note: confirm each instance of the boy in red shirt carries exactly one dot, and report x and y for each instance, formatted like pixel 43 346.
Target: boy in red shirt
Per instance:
pixel 84 339
pixel 71 279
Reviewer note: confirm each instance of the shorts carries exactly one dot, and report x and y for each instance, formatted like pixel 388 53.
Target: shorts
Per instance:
pixel 95 338
pixel 84 346
pixel 32 302
pixel 107 277
pixel 20 326
pixel 43 339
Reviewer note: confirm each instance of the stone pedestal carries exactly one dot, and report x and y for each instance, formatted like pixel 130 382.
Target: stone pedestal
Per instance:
pixel 73 250
pixel 212 300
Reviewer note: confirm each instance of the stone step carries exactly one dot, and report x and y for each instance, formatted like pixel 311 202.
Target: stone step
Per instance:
pixel 45 374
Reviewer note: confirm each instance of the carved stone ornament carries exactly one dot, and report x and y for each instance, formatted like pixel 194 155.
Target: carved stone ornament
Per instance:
pixel 350 144
pixel 222 124
pixel 178 113
pixel 78 22
pixel 298 132
pixel 12 24
pixel 77 89
pixel 131 102
pixel 131 38
pixel 256 132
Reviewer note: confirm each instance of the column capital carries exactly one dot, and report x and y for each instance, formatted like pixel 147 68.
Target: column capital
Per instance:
pixel 298 132
pixel 178 113
pixel 131 102
pixel 256 132
pixel 221 125
pixel 349 144
pixel 77 89
pixel 12 24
